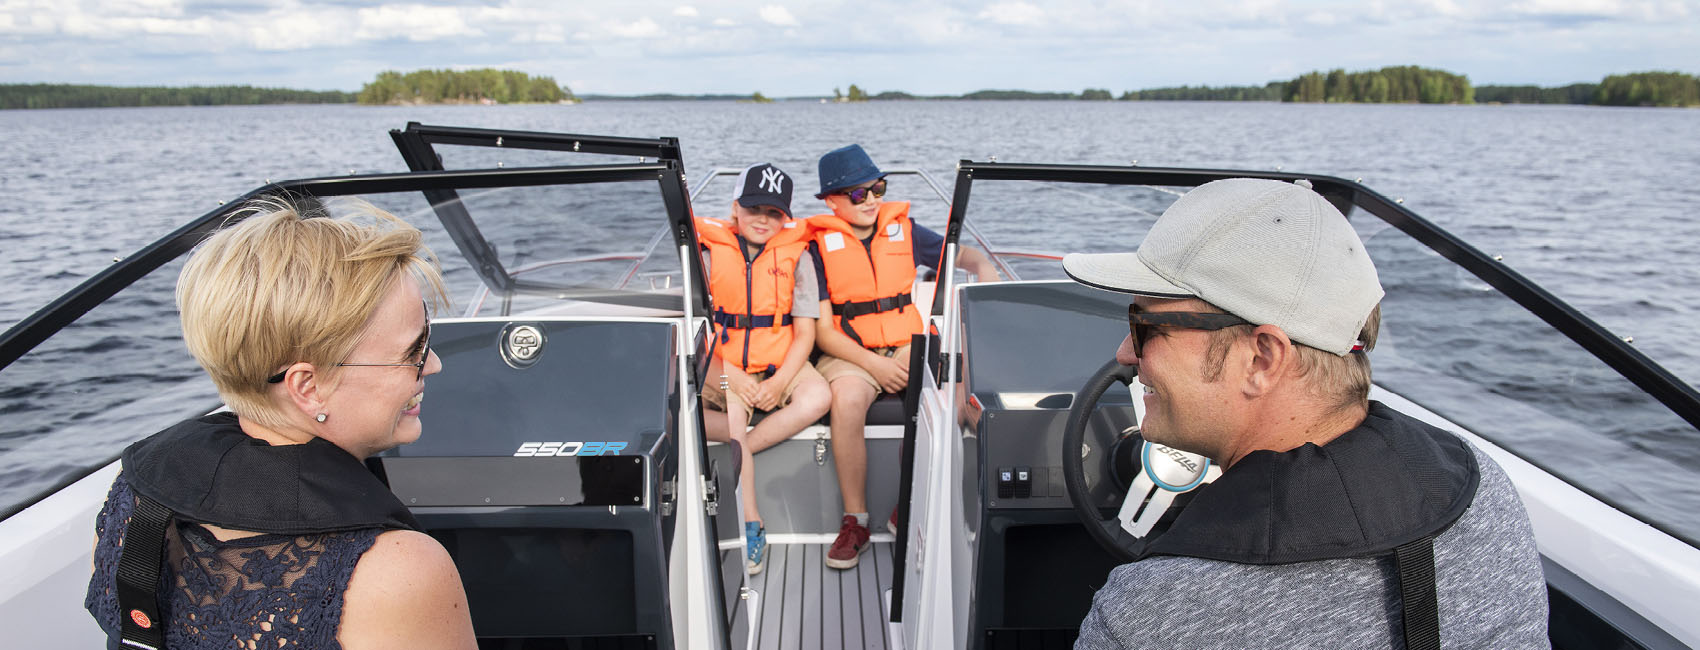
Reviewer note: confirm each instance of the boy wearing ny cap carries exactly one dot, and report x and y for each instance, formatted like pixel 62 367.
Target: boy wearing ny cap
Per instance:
pixel 1255 309
pixel 867 250
pixel 761 282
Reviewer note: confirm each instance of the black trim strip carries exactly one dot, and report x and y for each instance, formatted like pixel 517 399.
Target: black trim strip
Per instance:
pixel 906 473
pixel 659 148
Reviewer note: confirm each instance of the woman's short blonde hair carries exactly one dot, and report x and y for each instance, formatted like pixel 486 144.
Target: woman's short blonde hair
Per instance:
pixel 278 287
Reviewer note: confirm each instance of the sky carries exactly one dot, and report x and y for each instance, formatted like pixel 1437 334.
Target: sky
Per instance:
pixel 785 48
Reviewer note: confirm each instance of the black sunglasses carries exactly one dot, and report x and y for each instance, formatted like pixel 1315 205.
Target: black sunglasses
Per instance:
pixel 1142 324
pixel 859 195
pixel 418 366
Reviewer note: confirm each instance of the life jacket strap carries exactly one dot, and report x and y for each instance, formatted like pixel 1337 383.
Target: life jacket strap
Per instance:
pixel 139 566
pixel 748 321
pixel 1418 594
pixel 851 309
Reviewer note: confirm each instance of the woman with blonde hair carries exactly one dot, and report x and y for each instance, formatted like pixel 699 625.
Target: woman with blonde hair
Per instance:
pixel 261 528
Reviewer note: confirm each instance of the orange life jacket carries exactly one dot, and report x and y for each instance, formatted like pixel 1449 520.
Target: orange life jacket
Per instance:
pixel 752 298
pixel 870 286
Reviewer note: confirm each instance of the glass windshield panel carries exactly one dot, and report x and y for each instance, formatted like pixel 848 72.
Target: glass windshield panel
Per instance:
pixel 591 249
pixel 1032 224
pixel 1448 342
pixel 121 372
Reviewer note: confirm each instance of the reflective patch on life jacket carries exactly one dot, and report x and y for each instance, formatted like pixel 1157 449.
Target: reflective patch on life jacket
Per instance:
pixel 833 241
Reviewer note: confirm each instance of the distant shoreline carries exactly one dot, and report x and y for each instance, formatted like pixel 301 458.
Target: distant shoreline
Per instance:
pixel 1391 85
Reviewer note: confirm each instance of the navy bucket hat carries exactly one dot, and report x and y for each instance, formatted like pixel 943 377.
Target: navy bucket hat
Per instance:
pixel 845 167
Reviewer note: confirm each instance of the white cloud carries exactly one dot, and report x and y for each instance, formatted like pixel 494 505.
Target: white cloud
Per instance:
pixel 1570 7
pixel 777 15
pixel 545 33
pixel 1050 45
pixel 290 30
pixel 1013 13
pixel 1322 18
pixel 643 28
pixel 412 22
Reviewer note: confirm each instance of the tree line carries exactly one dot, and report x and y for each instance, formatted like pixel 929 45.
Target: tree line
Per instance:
pixel 484 85
pixel 1638 89
pixel 85 96
pixel 1394 84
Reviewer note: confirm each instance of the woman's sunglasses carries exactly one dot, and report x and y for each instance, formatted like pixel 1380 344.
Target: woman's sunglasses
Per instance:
pixel 422 349
pixel 859 195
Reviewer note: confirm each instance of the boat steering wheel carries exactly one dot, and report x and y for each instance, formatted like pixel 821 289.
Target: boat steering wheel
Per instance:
pixel 1106 531
pixel 1149 475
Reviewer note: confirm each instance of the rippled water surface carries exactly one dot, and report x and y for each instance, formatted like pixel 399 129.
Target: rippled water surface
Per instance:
pixel 1596 204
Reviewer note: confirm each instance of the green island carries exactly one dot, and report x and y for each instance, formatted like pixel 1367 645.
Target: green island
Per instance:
pixel 481 86
pixel 1393 84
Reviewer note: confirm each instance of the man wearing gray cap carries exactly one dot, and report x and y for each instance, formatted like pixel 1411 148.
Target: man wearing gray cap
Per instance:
pixel 1338 522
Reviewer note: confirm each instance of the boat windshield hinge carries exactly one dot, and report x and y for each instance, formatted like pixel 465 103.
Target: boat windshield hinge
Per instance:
pixel 948 368
pixel 711 496
pixel 666 498
pixel 820 448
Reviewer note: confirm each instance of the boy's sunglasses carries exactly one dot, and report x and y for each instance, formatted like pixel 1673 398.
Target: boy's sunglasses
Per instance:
pixel 1142 324
pixel 859 195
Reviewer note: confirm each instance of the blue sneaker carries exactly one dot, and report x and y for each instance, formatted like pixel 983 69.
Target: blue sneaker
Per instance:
pixel 755 537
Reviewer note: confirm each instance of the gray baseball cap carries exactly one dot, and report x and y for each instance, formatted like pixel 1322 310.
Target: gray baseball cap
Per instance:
pixel 1270 252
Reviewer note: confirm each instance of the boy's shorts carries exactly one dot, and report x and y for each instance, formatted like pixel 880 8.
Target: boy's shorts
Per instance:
pixel 716 398
pixel 831 367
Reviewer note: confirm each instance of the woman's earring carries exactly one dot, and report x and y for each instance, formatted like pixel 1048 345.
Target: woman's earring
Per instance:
pixel 320 418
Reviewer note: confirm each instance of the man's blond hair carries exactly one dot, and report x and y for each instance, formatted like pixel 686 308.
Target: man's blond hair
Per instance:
pixel 1341 381
pixel 278 288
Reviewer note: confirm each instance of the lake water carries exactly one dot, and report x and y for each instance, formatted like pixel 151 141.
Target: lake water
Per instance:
pixel 1596 204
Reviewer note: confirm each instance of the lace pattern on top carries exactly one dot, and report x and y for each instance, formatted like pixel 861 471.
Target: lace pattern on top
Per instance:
pixel 265 592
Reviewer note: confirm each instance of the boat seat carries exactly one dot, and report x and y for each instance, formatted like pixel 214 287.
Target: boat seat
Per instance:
pixel 887 409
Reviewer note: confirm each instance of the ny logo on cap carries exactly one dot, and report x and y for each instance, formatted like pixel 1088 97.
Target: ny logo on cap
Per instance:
pixel 771 180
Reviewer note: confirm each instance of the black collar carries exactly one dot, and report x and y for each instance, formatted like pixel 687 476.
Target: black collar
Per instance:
pixel 1390 481
pixel 207 470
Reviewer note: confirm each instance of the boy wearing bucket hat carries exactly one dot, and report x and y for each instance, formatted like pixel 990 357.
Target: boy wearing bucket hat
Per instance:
pixel 1338 522
pixel 867 250
pixel 761 281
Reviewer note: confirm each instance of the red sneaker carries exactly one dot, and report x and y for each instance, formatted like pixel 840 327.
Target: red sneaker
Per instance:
pixel 847 550
pixel 891 525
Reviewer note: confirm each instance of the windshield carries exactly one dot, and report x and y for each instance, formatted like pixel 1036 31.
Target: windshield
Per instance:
pixel 1449 342
pixel 121 372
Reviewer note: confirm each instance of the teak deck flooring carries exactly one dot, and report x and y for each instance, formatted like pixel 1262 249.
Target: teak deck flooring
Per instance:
pixel 804 604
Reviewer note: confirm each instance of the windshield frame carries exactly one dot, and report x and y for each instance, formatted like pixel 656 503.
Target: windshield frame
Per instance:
pixel 1350 196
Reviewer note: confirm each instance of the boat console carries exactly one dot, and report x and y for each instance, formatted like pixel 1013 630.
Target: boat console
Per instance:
pixel 1036 569
pixel 546 471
